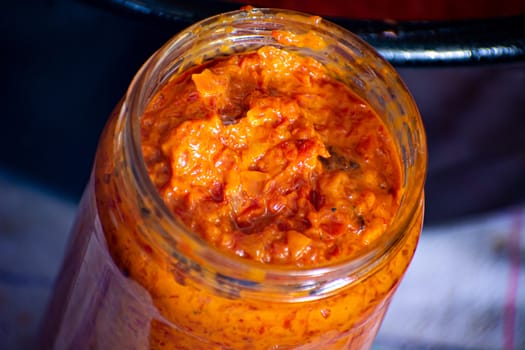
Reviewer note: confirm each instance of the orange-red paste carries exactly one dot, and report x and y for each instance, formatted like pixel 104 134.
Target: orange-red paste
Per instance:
pixel 269 157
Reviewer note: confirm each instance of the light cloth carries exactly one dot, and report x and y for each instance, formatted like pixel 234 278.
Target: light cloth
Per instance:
pixel 464 289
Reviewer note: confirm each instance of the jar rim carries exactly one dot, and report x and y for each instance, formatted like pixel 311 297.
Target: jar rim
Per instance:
pixel 305 282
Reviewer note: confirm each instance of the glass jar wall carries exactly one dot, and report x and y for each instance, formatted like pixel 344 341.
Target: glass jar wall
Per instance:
pixel 135 278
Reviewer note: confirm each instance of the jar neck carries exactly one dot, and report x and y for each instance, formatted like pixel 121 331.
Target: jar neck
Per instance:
pixel 352 61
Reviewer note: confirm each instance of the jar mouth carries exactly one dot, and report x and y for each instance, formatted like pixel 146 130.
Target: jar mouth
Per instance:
pixel 247 30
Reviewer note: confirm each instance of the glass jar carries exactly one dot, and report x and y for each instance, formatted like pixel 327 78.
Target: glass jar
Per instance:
pixel 173 291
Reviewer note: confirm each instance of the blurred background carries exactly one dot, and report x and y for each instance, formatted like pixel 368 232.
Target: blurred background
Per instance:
pixel 66 63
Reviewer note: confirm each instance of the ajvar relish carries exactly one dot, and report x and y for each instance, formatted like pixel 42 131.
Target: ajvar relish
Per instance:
pixel 269 157
pixel 271 160
pixel 251 202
